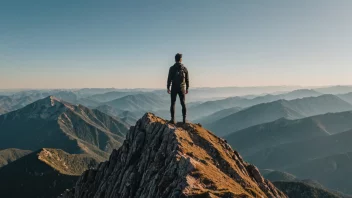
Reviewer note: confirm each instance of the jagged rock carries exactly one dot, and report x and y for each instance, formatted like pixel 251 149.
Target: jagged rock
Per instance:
pixel 162 160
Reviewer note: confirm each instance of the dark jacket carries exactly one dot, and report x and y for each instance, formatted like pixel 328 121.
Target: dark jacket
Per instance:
pixel 172 72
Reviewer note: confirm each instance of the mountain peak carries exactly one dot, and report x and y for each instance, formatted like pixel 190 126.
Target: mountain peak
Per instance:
pixel 158 159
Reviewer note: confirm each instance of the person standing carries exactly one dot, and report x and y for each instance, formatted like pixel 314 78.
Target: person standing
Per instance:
pixel 179 82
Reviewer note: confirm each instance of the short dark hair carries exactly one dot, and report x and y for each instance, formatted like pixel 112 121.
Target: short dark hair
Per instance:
pixel 178 57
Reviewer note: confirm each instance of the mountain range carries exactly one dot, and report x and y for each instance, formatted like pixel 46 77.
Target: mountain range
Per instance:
pixel 325 159
pixel 53 123
pixel 268 112
pixel 140 102
pixel 300 140
pixel 284 131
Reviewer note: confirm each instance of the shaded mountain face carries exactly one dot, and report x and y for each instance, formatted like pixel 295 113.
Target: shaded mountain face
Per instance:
pixel 279 176
pixel 10 155
pixel 53 123
pixel 295 187
pixel 286 155
pixel 282 131
pixel 44 173
pixel 304 190
pixel 325 159
pixel 162 160
pixel 268 112
pixel 333 171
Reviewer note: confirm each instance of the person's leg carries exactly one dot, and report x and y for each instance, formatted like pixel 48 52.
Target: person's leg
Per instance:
pixel 182 96
pixel 172 107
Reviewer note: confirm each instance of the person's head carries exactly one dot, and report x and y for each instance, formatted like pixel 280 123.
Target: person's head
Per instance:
pixel 178 58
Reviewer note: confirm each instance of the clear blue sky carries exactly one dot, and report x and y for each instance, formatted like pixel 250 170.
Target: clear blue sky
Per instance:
pixel 90 43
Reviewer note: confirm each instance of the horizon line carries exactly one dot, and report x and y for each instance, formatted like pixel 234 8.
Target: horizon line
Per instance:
pixel 145 88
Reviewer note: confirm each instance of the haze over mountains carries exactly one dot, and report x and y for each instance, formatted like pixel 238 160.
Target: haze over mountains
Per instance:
pixel 284 131
pixel 304 133
pixel 267 112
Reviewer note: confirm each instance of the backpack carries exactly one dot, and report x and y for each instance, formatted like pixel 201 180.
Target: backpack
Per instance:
pixel 179 78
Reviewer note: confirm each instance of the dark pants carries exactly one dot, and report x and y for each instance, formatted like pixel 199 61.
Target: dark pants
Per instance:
pixel 182 95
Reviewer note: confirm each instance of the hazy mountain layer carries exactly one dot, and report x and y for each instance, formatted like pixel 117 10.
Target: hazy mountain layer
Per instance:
pixel 109 96
pixel 140 102
pixel 268 112
pixel 209 107
pixel 206 120
pixel 282 131
pixel 346 97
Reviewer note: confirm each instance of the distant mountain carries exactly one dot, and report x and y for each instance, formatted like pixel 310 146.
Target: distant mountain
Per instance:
pixel 126 116
pixel 333 171
pixel 335 89
pixel 22 99
pixel 303 190
pixel 279 176
pixel 54 123
pixel 218 115
pixel 210 107
pixel 109 96
pixel 11 103
pixel 346 97
pixel 286 156
pixel 87 92
pixel 44 173
pixel 140 102
pixel 129 117
pixel 10 155
pixel 294 187
pixel 300 93
pixel 72 98
pixel 282 131
pixel 268 112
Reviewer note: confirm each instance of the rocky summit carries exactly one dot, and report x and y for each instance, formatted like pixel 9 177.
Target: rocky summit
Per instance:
pixel 160 160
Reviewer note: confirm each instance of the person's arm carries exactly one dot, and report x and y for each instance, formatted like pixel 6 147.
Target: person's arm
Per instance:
pixel 169 80
pixel 187 80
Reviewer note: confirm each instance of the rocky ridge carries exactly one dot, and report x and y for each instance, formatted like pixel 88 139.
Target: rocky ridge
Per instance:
pixel 162 160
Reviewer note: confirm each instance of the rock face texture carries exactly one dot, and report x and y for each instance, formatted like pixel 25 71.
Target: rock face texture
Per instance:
pixel 160 160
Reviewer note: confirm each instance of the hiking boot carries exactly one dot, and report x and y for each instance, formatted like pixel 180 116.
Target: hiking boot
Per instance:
pixel 172 121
